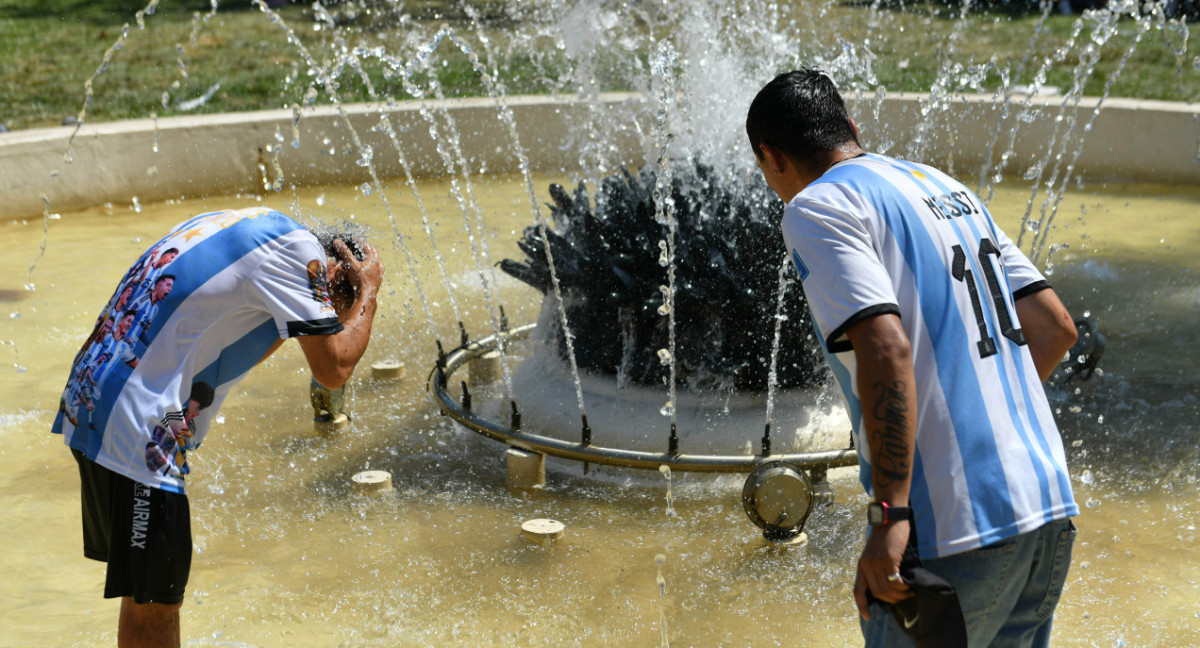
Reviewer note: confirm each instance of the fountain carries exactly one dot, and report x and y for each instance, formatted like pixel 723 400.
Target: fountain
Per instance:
pixel 289 553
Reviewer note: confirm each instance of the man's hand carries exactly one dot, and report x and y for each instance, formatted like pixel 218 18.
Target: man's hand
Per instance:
pixel 366 275
pixel 332 358
pixel 881 558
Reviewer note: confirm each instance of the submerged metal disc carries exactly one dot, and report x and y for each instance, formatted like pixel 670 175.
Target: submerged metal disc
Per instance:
pixel 778 496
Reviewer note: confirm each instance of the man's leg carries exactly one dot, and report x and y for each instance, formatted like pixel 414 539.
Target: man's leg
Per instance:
pixel 149 562
pixel 1030 621
pixel 1008 590
pixel 148 625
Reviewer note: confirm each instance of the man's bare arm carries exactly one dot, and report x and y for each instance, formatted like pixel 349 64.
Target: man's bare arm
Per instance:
pixel 332 358
pixel 888 396
pixel 1048 329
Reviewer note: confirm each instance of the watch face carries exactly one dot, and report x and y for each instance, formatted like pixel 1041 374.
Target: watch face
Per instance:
pixel 875 513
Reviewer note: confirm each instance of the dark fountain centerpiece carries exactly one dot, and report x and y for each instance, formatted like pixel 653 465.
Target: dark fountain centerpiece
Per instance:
pixel 741 327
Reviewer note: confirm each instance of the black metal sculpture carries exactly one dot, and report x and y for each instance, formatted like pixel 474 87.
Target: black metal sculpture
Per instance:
pixel 727 258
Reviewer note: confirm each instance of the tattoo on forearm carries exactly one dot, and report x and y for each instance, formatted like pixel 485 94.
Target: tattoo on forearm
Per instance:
pixel 889 432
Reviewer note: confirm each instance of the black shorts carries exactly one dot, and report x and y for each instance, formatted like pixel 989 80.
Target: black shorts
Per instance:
pixel 143 533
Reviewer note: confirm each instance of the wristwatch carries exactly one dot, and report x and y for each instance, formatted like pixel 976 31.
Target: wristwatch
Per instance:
pixel 880 513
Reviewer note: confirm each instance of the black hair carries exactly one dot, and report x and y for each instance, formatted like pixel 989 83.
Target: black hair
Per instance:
pixel 202 393
pixel 163 278
pixel 800 113
pixel 354 236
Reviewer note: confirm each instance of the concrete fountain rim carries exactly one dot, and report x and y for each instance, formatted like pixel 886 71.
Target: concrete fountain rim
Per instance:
pixel 1129 140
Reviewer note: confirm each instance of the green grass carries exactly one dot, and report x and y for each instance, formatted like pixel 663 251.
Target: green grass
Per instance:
pixel 48 50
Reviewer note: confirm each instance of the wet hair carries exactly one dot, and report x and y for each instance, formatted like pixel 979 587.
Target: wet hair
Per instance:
pixel 354 236
pixel 800 113
pixel 202 393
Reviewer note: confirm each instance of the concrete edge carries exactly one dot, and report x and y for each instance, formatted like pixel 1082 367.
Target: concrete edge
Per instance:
pixel 189 156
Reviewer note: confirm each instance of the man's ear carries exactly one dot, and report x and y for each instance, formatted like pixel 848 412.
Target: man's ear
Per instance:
pixel 773 158
pixel 854 126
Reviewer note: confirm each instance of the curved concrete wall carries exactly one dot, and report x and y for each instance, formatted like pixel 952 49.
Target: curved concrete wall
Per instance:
pixel 1144 141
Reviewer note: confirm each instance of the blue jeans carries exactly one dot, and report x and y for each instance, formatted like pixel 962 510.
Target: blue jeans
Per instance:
pixel 1007 590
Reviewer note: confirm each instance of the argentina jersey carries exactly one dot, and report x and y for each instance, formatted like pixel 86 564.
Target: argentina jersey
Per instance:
pixel 878 235
pixel 193 315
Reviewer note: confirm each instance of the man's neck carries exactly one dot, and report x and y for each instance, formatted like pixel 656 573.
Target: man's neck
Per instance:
pixel 847 151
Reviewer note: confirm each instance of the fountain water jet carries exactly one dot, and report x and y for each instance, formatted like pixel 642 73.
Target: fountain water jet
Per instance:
pixel 719 584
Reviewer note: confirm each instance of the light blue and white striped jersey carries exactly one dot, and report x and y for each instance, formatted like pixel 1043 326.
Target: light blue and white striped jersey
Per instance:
pixel 879 235
pixel 189 320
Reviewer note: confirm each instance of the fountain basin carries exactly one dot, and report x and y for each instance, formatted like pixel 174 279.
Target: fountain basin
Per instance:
pixel 174 157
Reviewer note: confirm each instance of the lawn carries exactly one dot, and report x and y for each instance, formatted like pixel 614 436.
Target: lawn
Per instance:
pixel 185 57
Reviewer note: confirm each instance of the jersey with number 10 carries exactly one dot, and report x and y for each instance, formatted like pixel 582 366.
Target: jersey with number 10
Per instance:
pixel 877 235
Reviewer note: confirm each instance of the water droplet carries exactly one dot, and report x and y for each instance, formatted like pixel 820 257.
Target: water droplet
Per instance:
pixel 667 409
pixel 664 356
pixel 368 154
pixel 321 200
pixel 1086 478
pixel 1092 502
pixel 366 189
pixel 660 559
pixel 14 315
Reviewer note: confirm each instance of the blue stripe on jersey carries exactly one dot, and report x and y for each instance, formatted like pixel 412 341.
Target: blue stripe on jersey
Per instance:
pixel 209 257
pixel 1014 352
pixel 192 269
pixel 1064 481
pixel 956 372
pixel 239 357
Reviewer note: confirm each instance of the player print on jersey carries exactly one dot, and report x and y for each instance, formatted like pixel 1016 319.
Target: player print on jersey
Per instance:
pixel 317 282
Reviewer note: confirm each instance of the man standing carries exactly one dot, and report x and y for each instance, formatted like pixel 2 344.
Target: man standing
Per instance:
pixel 939 331
pixel 240 283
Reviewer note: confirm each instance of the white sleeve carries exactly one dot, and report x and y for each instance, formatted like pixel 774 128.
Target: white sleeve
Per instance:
pixel 291 285
pixel 843 277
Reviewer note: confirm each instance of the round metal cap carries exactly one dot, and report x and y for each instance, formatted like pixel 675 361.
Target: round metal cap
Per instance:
pixel 778 496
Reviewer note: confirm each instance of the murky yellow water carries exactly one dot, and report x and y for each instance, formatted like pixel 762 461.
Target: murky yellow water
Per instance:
pixel 287 556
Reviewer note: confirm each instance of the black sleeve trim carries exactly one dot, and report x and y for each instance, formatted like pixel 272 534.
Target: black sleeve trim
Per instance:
pixel 836 346
pixel 1036 286
pixel 327 326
